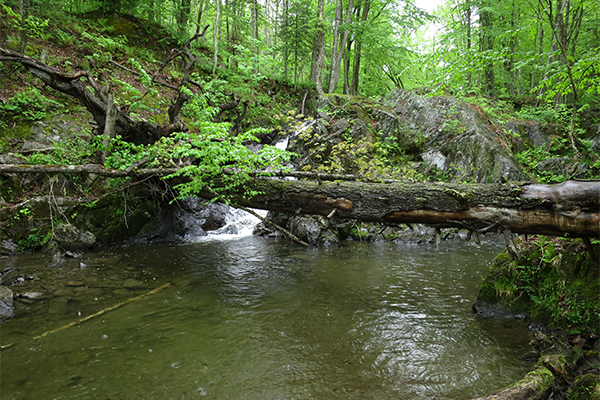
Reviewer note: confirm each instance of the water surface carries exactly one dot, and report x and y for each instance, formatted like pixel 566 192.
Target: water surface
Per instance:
pixel 254 318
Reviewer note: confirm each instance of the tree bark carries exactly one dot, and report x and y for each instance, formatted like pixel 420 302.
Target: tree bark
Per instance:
pixel 318 57
pixel 216 37
pixel 358 50
pixel 336 64
pixel 24 6
pixel 570 209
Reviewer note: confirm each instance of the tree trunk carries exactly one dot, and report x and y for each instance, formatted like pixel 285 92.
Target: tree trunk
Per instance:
pixel 24 6
pixel 183 14
pixel 336 28
pixel 569 209
pixel 199 19
pixel 487 46
pixel 336 65
pixel 358 49
pixel 255 35
pixel 216 37
pixel 346 60
pixel 318 57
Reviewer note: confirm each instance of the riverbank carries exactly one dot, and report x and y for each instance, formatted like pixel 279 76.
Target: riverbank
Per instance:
pixel 555 284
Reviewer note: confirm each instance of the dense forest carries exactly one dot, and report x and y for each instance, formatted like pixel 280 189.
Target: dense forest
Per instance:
pixel 542 52
pixel 478 116
pixel 536 61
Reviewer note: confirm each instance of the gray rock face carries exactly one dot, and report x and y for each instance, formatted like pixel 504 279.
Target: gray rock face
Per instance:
pixel 72 239
pixel 458 138
pixel 6 303
pixel 189 218
pixel 8 247
pixel 529 134
pixel 554 166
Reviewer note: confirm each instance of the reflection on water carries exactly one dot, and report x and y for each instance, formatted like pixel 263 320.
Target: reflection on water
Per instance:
pixel 251 318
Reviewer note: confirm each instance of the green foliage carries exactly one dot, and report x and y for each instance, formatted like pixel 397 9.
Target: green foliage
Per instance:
pixel 217 161
pixel 28 105
pixel 109 44
pixel 35 239
pixel 554 282
pixel 33 25
pixel 531 159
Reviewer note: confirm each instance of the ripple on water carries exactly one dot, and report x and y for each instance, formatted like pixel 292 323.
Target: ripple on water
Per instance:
pixel 253 318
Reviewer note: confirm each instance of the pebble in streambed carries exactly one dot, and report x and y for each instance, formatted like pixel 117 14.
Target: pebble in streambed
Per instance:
pixel 70 284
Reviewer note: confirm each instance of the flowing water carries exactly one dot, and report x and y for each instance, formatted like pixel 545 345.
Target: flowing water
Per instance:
pixel 254 318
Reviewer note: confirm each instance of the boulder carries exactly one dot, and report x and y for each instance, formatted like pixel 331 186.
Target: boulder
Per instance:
pixel 70 238
pixel 9 276
pixel 457 136
pixel 553 166
pixel 313 230
pixel 8 247
pixel 530 134
pixel 6 303
pixel 188 218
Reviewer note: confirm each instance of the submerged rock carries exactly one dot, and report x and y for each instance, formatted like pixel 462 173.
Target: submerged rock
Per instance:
pixel 133 284
pixel 9 276
pixel 6 303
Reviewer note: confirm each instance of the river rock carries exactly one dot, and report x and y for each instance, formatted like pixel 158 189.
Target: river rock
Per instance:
pixel 9 276
pixel 133 284
pixel 8 247
pixel 313 230
pixel 6 303
pixel 57 259
pixel 72 239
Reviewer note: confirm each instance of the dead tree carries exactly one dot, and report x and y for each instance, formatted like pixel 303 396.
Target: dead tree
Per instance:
pixel 83 87
pixel 569 209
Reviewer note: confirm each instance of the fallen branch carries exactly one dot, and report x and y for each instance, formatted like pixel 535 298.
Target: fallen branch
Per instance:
pixel 158 289
pixel 274 225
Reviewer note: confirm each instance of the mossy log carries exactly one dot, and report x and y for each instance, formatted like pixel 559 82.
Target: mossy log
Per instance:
pixel 569 209
pixel 536 385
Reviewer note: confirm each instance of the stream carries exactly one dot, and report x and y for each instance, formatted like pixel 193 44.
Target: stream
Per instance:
pixel 252 318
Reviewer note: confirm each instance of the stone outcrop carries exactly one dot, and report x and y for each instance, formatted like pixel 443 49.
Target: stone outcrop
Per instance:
pixel 459 138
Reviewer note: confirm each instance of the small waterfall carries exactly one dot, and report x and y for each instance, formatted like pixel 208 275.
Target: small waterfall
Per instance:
pixel 283 143
pixel 238 223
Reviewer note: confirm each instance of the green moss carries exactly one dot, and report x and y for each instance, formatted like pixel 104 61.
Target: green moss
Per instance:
pixel 553 281
pixel 544 375
pixel 586 387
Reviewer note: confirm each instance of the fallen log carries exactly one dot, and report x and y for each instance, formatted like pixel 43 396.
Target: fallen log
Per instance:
pixel 569 209
pixel 537 385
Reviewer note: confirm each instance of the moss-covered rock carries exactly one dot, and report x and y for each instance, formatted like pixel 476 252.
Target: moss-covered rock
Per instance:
pixel 555 282
pixel 586 387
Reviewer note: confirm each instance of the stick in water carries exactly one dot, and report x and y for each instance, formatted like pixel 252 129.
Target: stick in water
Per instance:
pixel 158 289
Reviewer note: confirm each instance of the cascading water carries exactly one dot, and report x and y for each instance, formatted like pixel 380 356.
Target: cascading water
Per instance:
pixel 238 223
